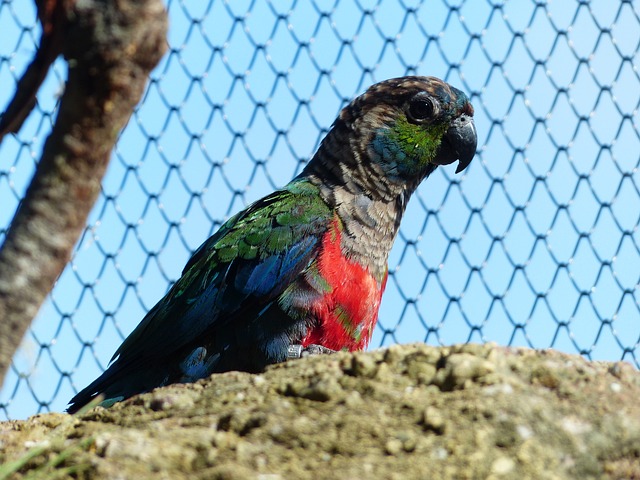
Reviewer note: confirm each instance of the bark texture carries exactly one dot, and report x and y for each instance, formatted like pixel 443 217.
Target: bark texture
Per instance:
pixel 110 47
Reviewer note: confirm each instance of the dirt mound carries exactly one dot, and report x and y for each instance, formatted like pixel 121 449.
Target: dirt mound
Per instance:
pixel 412 411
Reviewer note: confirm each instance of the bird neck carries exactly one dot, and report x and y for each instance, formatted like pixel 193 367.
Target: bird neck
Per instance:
pixel 369 207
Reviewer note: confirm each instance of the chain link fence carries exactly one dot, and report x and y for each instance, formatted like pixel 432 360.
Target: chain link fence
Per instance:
pixel 536 244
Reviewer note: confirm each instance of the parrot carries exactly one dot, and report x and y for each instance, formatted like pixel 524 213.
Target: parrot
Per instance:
pixel 301 271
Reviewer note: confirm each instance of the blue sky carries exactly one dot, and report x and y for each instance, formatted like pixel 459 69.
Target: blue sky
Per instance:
pixel 536 244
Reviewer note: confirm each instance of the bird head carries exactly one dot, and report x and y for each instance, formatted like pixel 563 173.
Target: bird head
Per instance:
pixel 408 126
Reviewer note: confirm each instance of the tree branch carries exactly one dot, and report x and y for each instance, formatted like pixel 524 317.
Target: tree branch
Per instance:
pixel 52 15
pixel 110 46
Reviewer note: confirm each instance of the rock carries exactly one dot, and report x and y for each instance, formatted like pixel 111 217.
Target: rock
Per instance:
pixel 412 411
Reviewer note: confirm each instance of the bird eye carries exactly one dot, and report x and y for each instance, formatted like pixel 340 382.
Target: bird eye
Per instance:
pixel 421 108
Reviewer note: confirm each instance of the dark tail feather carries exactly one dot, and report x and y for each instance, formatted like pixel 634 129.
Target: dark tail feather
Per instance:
pixel 116 384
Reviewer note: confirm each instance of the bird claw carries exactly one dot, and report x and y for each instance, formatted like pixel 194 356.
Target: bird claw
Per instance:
pixel 298 351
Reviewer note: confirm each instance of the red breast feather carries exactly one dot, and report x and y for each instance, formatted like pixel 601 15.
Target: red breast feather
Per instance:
pixel 348 311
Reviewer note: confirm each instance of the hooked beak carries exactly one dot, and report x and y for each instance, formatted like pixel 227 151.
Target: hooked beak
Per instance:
pixel 459 143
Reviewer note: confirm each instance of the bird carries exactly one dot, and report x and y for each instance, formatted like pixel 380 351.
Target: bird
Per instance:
pixel 301 271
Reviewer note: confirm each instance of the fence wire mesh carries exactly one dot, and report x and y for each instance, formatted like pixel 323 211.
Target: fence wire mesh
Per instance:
pixel 537 244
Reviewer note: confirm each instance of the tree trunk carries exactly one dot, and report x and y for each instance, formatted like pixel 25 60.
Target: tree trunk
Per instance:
pixel 110 47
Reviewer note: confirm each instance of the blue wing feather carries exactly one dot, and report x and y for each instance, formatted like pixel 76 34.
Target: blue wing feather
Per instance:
pixel 218 295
